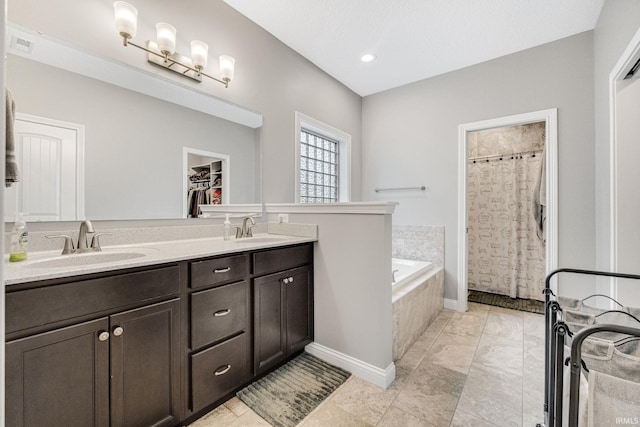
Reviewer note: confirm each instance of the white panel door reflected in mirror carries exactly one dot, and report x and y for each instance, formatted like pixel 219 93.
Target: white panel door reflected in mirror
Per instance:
pixel 50 155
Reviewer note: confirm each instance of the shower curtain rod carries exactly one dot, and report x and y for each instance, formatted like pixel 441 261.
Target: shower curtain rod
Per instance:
pixel 501 156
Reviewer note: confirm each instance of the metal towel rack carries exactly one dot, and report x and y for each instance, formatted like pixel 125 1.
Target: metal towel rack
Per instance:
pixel 421 188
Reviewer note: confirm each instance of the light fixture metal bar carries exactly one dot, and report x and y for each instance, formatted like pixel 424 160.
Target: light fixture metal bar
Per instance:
pixel 169 61
pixel 175 62
pixel 224 82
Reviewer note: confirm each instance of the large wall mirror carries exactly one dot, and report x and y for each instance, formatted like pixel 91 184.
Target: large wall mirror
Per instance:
pixel 134 132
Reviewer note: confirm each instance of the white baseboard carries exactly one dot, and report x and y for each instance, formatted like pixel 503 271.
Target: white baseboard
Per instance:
pixel 380 377
pixel 451 304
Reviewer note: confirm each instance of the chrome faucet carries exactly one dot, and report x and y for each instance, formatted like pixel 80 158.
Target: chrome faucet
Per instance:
pixel 245 230
pixel 85 227
pixel 82 246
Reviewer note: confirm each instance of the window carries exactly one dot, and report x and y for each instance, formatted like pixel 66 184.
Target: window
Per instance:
pixel 318 168
pixel 322 156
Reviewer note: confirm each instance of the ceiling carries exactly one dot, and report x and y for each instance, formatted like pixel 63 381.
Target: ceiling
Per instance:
pixel 413 39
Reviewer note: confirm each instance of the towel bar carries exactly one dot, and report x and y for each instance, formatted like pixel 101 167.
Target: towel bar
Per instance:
pixel 421 188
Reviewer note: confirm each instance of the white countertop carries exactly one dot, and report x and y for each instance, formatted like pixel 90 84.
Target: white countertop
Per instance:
pixel 36 268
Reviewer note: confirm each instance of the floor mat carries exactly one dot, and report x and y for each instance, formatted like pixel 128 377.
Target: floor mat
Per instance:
pixel 288 394
pixel 504 301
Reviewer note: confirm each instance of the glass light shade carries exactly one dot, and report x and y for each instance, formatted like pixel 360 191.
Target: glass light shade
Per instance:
pixel 199 53
pixel 166 37
pixel 227 67
pixel 125 19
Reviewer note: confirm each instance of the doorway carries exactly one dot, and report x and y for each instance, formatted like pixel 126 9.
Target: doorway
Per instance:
pixel 206 180
pixel 494 250
pixel 50 157
pixel 624 102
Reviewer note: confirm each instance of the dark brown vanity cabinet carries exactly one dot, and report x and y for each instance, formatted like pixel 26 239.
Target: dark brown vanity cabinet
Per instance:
pixel 59 378
pixel 119 369
pixel 283 305
pixel 220 328
pixel 145 369
pixel 153 346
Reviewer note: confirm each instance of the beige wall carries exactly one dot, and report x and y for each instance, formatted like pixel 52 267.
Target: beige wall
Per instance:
pixel 411 138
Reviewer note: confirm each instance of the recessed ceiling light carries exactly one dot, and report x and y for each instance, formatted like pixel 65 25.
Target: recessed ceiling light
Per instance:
pixel 367 57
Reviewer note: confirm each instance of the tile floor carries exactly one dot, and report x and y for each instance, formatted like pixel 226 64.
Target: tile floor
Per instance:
pixel 480 368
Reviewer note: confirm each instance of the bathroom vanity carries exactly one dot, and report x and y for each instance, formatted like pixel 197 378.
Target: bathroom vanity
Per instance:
pixel 155 340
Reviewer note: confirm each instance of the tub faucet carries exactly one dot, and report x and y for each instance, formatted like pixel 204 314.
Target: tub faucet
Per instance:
pixel 245 230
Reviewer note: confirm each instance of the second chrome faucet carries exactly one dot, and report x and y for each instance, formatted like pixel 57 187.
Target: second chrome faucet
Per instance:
pixel 246 230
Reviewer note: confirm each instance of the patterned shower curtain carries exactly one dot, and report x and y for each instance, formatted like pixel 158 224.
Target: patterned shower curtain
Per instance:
pixel 505 254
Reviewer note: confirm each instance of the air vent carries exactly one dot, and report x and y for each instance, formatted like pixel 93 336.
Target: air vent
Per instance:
pixel 21 44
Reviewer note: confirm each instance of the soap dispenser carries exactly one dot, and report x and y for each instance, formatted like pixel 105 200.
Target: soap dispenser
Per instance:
pixel 227 228
pixel 19 239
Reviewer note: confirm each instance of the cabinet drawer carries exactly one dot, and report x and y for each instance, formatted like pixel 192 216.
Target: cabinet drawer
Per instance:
pixel 219 270
pixel 219 312
pixel 218 370
pixel 282 259
pixel 40 306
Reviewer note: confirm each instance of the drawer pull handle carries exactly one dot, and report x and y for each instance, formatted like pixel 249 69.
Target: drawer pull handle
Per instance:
pixel 222 370
pixel 103 336
pixel 222 270
pixel 221 313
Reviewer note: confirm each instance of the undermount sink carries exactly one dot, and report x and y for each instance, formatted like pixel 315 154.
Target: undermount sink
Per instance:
pixel 90 258
pixel 260 239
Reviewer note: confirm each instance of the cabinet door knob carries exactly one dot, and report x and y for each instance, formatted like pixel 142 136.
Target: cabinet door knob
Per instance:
pixel 221 313
pixel 222 370
pixel 291 279
pixel 103 335
pixel 221 270
pixel 117 331
pixel 285 280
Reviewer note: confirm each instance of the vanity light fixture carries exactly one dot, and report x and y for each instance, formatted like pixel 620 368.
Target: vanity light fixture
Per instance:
pixel 162 52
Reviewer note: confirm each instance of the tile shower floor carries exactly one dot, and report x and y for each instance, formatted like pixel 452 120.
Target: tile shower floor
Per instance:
pixel 480 368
